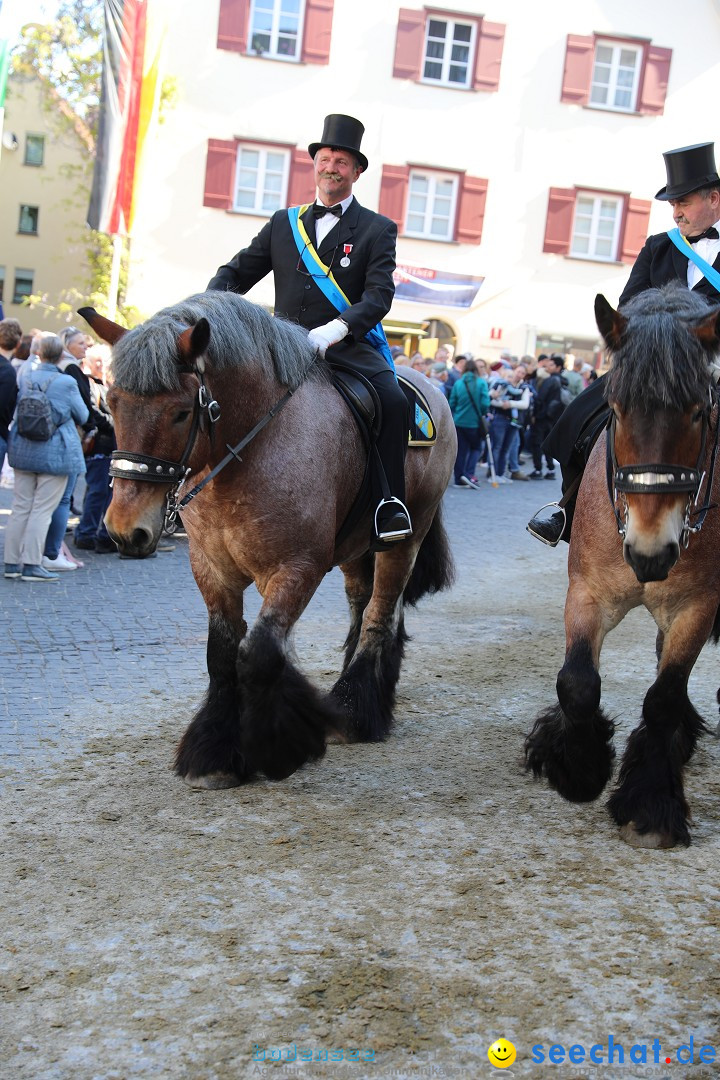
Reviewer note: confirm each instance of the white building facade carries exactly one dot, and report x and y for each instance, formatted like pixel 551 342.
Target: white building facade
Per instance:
pixel 518 148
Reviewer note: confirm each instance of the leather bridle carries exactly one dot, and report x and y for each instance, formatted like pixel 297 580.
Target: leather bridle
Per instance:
pixel 659 478
pixel 126 465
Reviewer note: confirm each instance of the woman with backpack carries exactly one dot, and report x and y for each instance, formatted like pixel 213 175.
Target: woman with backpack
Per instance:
pixel 44 448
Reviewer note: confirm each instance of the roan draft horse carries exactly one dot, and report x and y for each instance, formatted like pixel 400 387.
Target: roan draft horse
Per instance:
pixel 191 383
pixel 646 531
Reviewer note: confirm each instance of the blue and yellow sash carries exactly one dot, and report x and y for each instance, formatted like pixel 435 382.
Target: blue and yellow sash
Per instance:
pixel 686 249
pixel 322 275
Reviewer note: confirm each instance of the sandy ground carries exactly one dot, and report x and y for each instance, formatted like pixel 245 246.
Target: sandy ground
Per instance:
pixel 410 902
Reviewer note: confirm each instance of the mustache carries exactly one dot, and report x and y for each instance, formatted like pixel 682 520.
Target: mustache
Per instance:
pixel 330 176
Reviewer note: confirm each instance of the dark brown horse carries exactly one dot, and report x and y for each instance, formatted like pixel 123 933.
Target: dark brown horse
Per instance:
pixel 646 532
pixel 194 380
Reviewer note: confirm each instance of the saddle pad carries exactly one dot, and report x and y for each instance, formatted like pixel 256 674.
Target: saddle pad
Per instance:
pixel 422 425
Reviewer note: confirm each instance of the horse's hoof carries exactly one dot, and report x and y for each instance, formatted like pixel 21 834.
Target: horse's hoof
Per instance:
pixel 335 737
pixel 652 840
pixel 214 781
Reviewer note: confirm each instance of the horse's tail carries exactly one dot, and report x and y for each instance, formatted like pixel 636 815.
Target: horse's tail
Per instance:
pixel 434 568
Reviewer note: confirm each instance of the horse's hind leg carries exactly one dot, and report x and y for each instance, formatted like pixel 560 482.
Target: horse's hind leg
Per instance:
pixel 571 744
pixel 366 688
pixel 649 801
pixel 358 589
pixel 209 754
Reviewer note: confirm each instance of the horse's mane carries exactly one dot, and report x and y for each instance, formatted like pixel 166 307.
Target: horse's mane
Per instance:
pixel 660 363
pixel 145 360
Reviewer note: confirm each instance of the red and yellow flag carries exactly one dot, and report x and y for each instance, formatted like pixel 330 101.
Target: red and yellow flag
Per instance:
pixel 128 105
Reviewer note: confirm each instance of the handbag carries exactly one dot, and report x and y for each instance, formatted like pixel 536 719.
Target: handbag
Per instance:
pixel 482 422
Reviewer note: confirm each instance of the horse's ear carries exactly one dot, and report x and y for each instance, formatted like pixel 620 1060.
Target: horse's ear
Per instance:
pixel 106 330
pixel 707 329
pixel 610 323
pixel 194 341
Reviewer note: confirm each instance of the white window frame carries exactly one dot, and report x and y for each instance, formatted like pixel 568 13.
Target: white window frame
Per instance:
pixel 612 87
pixel 447 62
pixel 597 197
pixel 263 150
pixel 425 232
pixel 272 53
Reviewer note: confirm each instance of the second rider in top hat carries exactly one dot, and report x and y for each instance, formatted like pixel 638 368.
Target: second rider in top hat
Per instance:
pixel 358 247
pixel 693 191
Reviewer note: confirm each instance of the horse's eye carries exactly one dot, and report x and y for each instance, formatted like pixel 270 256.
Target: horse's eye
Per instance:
pixel 181 416
pixel 697 416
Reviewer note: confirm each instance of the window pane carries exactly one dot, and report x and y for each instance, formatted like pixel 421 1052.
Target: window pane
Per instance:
pixel 34 149
pixel 604 54
pixel 2 282
pixel 415 223
pixel 432 71
pixel 439 227
pixel 28 219
pixel 419 183
pixel 435 50
pixel 462 32
pixel 23 285
pixel 437 29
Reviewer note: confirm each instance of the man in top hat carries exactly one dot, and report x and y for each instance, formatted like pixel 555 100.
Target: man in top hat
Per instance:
pixel 693 191
pixel 339 237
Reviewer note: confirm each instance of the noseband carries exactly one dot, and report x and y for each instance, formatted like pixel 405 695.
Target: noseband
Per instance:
pixel 658 478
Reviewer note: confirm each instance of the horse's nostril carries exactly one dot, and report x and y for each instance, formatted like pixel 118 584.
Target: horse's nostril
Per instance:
pixel 140 539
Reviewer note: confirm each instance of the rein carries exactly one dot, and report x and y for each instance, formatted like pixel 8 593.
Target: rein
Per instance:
pixel 131 466
pixel 659 478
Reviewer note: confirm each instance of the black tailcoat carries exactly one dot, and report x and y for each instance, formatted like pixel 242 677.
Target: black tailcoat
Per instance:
pixel 367 281
pixel 660 262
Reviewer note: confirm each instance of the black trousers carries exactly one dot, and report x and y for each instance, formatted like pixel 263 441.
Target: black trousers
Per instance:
pixel 574 436
pixel 392 438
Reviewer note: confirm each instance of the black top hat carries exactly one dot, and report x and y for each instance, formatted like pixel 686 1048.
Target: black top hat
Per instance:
pixel 344 132
pixel 688 169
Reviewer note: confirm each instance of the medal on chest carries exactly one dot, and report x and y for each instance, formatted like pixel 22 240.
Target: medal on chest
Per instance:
pixel 345 261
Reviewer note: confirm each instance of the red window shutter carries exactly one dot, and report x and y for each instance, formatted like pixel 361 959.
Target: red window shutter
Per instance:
pixel 471 209
pixel 635 231
pixel 220 173
pixel 233 25
pixel 488 55
pixel 558 227
pixel 393 193
pixel 318 31
pixel 577 76
pixel 651 99
pixel 301 185
pixel 409 44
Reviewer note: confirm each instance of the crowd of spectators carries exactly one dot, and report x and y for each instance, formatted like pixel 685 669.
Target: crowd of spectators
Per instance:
pixel 502 410
pixel 66 472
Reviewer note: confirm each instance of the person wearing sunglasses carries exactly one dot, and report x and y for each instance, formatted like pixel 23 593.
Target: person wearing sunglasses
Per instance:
pixel 332 263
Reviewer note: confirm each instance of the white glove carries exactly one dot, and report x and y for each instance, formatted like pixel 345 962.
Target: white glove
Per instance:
pixel 322 337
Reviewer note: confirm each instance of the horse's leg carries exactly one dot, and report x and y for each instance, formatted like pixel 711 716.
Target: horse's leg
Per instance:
pixel 283 718
pixel 209 754
pixel 358 589
pixel 366 688
pixel 649 801
pixel 571 744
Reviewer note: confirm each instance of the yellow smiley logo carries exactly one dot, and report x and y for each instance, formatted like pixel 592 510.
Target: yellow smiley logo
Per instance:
pixel 501 1054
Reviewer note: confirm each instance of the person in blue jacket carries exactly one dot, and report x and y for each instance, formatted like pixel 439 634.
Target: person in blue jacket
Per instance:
pixel 42 467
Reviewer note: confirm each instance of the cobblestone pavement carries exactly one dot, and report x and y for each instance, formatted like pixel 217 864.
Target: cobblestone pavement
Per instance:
pixel 119 631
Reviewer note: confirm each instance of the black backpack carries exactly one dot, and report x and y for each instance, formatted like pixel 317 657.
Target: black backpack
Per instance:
pixel 34 415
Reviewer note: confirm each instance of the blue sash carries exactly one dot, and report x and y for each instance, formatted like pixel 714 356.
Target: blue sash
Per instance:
pixel 323 278
pixel 688 251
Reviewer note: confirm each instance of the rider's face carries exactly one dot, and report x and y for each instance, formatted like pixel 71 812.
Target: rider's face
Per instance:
pixel 335 173
pixel 694 213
